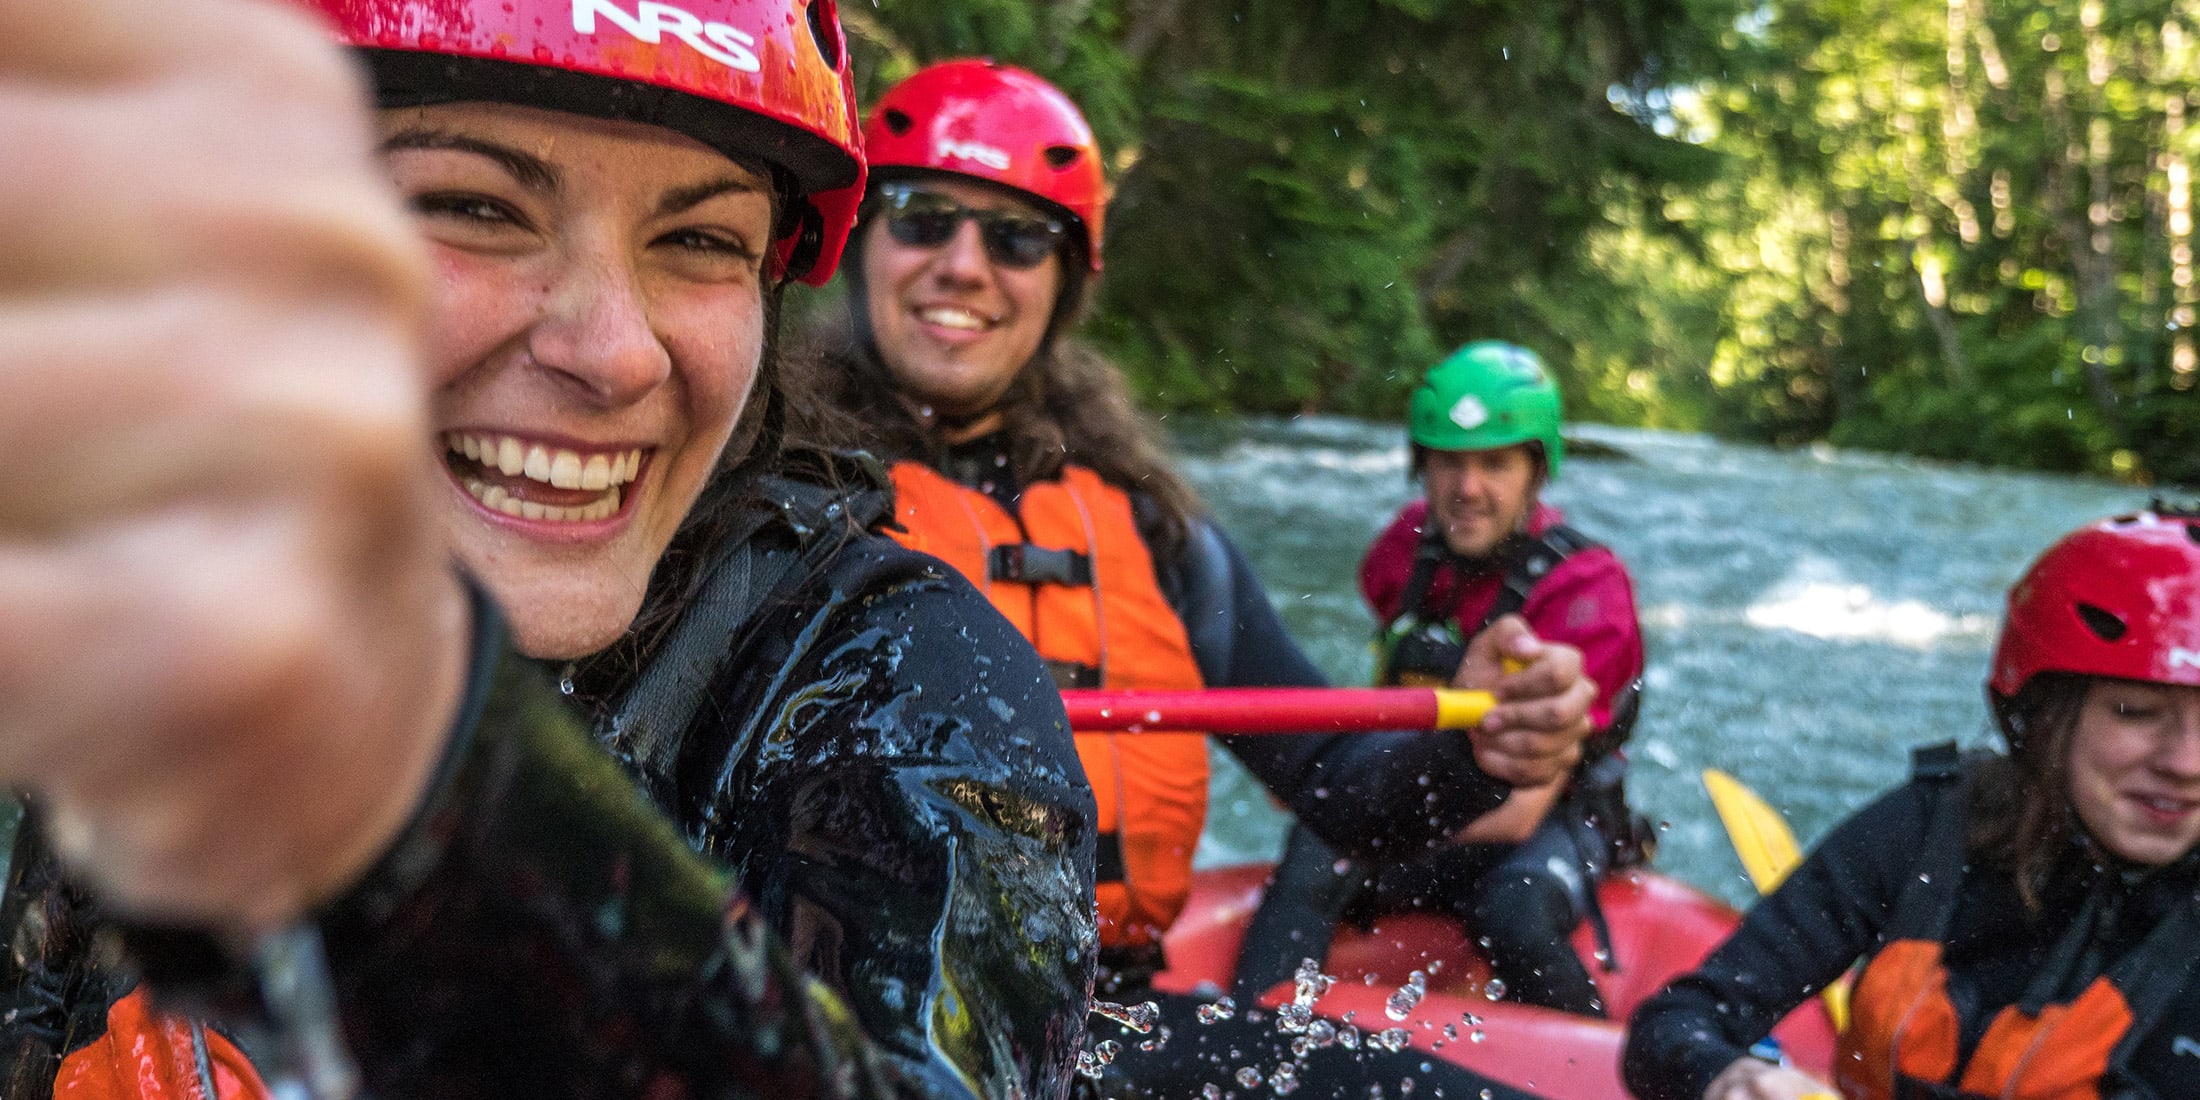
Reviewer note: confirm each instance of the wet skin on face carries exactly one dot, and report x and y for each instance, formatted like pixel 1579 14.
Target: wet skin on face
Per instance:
pixel 1479 497
pixel 953 327
pixel 596 325
pixel 2135 769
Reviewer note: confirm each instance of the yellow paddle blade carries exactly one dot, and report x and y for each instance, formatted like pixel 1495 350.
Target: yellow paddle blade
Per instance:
pixel 1767 847
pixel 1761 836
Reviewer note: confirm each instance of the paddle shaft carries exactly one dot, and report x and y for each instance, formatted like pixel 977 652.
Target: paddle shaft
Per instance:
pixel 1276 710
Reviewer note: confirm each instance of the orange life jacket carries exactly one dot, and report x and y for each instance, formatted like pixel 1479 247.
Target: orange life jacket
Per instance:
pixel 1071 572
pixel 1903 1041
pixel 149 1055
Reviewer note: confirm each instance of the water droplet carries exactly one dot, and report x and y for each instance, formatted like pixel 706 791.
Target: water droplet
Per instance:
pixel 1477 1036
pixel 1212 1091
pixel 1139 1017
pixel 1401 1003
pixel 1248 1076
pixel 1494 989
pixel 1224 1008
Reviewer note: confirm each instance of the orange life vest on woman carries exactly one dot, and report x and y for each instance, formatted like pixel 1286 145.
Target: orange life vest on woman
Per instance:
pixel 1071 572
pixel 1903 1041
pixel 150 1055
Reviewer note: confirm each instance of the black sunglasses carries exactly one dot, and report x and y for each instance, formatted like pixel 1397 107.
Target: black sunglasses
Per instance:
pixel 928 219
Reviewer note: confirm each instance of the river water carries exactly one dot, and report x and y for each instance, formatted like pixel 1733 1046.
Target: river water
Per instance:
pixel 1809 615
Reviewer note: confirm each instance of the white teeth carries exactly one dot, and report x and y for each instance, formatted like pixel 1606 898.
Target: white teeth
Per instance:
pixel 561 467
pixel 946 317
pixel 495 497
pixel 565 470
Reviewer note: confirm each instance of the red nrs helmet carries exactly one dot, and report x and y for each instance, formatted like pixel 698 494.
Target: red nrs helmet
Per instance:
pixel 2118 598
pixel 758 80
pixel 996 123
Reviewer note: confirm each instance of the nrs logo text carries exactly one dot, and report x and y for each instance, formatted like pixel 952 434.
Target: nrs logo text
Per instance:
pixel 651 21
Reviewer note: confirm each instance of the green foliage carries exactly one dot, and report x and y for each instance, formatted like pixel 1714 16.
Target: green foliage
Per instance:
pixel 1952 228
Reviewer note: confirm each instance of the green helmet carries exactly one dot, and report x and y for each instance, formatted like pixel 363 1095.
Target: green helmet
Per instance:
pixel 1486 395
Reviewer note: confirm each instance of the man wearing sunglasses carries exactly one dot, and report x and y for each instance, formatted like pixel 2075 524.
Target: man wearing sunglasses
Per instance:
pixel 1019 458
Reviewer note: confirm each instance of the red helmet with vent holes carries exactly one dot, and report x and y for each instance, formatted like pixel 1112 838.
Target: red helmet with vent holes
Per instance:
pixel 763 81
pixel 996 123
pixel 2117 598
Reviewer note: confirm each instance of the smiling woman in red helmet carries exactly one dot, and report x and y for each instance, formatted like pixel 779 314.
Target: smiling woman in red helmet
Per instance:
pixel 271 400
pixel 2030 923
pixel 1019 458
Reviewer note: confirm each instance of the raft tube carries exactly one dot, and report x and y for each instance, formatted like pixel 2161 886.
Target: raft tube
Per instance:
pixel 1661 928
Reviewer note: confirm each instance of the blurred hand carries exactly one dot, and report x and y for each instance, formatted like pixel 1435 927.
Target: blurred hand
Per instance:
pixel 230 642
pixel 1757 1079
pixel 1534 734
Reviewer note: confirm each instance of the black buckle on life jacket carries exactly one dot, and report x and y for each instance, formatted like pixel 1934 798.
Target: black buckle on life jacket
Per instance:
pixel 1107 857
pixel 1023 563
pixel 1069 675
pixel 1938 761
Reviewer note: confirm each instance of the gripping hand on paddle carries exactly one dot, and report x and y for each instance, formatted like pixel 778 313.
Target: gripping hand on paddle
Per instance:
pixel 1756 1079
pixel 230 640
pixel 1533 735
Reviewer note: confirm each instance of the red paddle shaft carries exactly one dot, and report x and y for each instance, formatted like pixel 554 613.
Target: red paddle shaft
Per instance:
pixel 1276 710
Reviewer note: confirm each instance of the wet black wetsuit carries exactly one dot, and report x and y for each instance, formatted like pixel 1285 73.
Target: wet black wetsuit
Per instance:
pixel 1361 792
pixel 1836 908
pixel 897 900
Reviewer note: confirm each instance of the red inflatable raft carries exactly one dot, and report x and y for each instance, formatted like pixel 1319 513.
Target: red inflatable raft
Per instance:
pixel 1659 929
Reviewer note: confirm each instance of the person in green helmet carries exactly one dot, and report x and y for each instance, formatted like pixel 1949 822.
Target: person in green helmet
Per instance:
pixel 1481 543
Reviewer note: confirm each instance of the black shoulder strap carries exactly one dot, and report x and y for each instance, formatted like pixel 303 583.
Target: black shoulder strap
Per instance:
pixel 796 521
pixel 1429 555
pixel 1927 902
pixel 1939 762
pixel 1536 557
pixel 2155 973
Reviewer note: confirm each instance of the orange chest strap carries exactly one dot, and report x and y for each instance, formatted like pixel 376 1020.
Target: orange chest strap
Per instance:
pixel 149 1055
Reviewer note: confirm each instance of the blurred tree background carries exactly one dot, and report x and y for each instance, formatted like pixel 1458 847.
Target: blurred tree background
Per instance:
pixel 1950 227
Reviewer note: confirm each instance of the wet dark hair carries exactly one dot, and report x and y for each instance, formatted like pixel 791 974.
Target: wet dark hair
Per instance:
pixel 2021 820
pixel 1067 405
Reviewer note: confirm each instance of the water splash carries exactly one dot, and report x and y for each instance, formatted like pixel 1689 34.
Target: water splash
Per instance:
pixel 1401 1003
pixel 1093 1063
pixel 1139 1017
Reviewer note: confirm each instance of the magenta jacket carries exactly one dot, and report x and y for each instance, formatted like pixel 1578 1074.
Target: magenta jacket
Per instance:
pixel 1588 602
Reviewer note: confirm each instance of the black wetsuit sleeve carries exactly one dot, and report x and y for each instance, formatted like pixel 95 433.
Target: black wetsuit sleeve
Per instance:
pixel 913 817
pixel 541 930
pixel 908 911
pixel 1362 793
pixel 1793 943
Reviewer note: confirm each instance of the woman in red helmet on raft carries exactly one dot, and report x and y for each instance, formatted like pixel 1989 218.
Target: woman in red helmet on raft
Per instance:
pixel 269 400
pixel 2029 922
pixel 1018 457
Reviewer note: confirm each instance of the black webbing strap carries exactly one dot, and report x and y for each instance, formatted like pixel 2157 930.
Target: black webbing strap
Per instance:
pixel 1023 563
pixel 1072 675
pixel 1107 857
pixel 1536 557
pixel 807 525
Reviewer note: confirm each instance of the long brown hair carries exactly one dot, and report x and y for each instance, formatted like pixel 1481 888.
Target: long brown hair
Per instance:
pixel 1067 405
pixel 2021 820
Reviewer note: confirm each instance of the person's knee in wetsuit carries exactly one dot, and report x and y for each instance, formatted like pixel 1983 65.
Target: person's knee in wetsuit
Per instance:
pixel 1524 910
